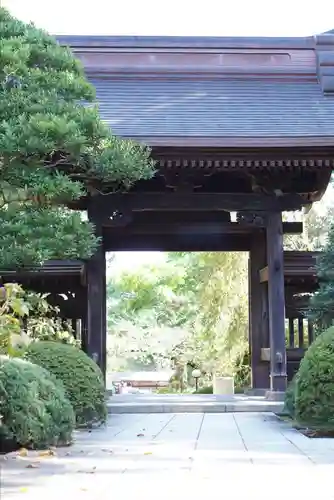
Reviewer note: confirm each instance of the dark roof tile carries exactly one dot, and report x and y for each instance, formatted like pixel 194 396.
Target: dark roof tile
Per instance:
pixel 173 107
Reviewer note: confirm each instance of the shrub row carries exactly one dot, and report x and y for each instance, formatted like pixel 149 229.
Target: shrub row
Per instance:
pixel 44 396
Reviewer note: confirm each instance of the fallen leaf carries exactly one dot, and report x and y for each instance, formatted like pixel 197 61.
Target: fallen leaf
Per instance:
pixel 23 452
pixel 32 466
pixel 23 489
pixel 140 435
pixel 47 453
pixel 147 453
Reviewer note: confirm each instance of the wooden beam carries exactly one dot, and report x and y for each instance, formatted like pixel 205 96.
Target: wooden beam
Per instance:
pixel 147 201
pixel 276 298
pixel 114 242
pixel 195 227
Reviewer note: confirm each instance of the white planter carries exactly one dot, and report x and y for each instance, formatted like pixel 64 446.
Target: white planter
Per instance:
pixel 223 386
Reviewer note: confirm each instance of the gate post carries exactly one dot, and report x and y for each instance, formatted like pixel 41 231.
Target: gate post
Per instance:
pixel 275 256
pixel 258 312
pixel 96 297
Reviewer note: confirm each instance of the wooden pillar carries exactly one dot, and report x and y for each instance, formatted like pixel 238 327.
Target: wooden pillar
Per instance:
pixel 74 327
pixel 84 333
pixel 258 312
pixel 96 298
pixel 276 298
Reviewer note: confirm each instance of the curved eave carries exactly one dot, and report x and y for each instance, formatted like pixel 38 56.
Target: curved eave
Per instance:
pixel 233 142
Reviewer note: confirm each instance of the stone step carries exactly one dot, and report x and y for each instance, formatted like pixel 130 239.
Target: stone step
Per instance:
pixel 202 407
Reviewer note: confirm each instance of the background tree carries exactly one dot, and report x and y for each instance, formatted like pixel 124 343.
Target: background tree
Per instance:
pixel 316 225
pixel 192 309
pixel 219 330
pixel 146 316
pixel 321 309
pixel 54 149
pixel 319 235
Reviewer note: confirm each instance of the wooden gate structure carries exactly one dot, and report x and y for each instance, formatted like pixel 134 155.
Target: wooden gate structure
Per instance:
pixel 66 282
pixel 236 125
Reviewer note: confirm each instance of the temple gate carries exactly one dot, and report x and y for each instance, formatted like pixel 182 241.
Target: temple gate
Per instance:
pixel 239 126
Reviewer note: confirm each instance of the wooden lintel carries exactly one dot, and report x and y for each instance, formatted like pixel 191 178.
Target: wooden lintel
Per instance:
pixel 201 227
pixel 175 242
pixel 231 202
pixel 263 273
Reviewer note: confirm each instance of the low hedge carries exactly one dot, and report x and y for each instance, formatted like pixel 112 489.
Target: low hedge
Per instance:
pixel 81 377
pixel 206 389
pixel 35 413
pixel 314 395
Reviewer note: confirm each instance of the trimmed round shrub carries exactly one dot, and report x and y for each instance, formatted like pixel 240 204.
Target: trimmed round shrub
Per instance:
pixel 314 404
pixel 34 410
pixel 290 398
pixel 81 377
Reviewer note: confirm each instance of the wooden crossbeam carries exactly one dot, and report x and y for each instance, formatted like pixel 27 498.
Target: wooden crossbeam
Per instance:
pixel 193 227
pixel 231 202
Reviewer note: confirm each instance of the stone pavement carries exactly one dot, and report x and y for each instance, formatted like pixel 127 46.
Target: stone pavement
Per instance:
pixel 192 456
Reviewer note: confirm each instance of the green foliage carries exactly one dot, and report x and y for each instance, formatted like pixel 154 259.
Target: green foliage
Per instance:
pixel 13 308
pixel 54 149
pixel 31 235
pixel 321 309
pixel 41 321
pixel 147 313
pixel 316 225
pixel 314 399
pixel 193 309
pixel 34 410
pixel 80 375
pixel 219 330
pixel 290 398
pixel 207 389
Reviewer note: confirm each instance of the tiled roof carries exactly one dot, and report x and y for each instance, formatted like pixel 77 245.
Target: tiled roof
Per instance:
pixel 239 107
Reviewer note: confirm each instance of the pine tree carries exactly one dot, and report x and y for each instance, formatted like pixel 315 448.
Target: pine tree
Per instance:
pixel 54 149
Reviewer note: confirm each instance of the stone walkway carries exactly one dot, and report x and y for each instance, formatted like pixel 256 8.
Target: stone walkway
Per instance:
pixel 192 456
